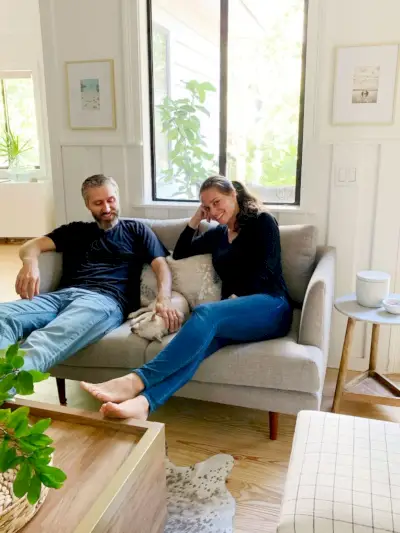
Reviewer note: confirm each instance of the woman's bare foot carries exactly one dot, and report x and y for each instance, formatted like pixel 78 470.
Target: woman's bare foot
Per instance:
pixel 116 390
pixel 135 408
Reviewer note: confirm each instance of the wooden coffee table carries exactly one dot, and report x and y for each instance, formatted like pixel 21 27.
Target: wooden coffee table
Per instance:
pixel 116 474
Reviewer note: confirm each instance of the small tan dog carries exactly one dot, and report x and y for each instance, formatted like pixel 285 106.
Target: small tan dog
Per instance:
pixel 148 325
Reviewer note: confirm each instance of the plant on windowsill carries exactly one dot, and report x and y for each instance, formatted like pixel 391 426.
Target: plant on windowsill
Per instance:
pixel 189 161
pixel 12 148
pixel 26 473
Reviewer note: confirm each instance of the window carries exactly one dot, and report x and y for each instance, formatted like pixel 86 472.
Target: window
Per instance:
pixel 19 145
pixel 227 93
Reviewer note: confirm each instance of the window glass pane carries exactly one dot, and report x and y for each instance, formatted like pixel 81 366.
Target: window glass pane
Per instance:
pixel 22 116
pixel 160 92
pixel 3 159
pixel 265 39
pixel 185 53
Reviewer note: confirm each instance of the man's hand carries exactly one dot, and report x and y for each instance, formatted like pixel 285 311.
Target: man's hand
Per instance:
pixel 28 280
pixel 173 319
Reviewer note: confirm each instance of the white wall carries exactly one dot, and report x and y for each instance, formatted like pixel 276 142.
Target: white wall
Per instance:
pixel 26 209
pixel 361 220
pixel 74 30
pixel 21 49
pixel 20 40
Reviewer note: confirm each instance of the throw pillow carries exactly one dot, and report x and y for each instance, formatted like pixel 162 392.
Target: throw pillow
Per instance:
pixel 299 246
pixel 196 279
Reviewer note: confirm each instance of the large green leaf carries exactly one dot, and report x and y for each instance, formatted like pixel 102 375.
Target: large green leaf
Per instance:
pixel 5 368
pixel 22 429
pixel 34 489
pixel 40 426
pixel 58 475
pixel 22 480
pixel 24 383
pixel 40 441
pixel 3 455
pixel 49 481
pixel 38 376
pixel 10 458
pixel 17 361
pixel 19 414
pixel 44 452
pixel 5 415
pixel 7 383
pixel 26 446
pixel 207 86
pixel 12 351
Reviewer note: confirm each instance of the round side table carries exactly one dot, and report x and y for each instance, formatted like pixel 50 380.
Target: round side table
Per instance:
pixel 370 387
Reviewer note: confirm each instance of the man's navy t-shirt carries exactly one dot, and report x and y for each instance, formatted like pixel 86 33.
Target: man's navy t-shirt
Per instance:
pixel 107 261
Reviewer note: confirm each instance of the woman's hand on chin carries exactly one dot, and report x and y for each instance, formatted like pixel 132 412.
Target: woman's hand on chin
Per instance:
pixel 201 214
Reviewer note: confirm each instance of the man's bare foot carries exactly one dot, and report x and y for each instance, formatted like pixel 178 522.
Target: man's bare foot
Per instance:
pixel 116 390
pixel 135 408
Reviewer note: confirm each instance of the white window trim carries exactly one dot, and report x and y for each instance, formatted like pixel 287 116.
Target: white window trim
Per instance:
pixel 39 173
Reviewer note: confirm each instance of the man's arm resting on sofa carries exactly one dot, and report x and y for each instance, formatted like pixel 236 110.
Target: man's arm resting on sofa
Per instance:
pixel 316 315
pixel 27 284
pixel 173 319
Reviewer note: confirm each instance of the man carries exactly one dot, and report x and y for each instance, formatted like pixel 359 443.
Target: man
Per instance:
pixel 100 285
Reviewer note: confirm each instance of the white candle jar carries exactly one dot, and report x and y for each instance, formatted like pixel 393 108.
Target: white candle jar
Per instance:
pixel 372 288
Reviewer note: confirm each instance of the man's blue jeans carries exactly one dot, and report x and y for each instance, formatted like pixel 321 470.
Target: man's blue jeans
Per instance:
pixel 58 324
pixel 212 326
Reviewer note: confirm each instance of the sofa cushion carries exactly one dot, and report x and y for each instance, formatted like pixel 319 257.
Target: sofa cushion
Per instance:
pixel 279 364
pixel 168 231
pixel 118 349
pixel 299 246
pixel 193 277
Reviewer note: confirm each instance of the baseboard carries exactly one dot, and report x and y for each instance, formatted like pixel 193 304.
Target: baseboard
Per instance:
pixel 14 240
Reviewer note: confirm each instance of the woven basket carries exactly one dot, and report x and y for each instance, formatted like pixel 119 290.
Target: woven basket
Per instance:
pixel 14 512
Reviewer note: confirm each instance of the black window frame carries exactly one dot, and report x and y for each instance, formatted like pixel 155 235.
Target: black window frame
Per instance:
pixel 224 43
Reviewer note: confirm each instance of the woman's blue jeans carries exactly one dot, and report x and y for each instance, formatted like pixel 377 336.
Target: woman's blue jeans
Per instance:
pixel 213 325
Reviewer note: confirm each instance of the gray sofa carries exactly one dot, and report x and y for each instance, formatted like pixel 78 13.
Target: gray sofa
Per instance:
pixel 280 376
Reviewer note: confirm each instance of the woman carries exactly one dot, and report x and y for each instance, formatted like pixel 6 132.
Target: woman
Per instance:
pixel 246 252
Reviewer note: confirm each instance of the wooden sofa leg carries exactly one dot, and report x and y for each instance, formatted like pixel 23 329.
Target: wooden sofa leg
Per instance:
pixel 273 425
pixel 61 391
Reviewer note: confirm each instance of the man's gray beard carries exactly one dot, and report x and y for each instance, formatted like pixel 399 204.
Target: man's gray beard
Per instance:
pixel 107 224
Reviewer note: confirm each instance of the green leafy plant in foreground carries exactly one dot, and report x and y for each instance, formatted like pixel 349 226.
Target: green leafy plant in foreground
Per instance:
pixel 24 446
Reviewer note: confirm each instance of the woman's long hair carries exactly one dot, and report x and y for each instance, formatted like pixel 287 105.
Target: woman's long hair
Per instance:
pixel 249 206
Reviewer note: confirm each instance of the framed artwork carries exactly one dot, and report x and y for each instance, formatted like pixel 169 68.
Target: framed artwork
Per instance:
pixel 91 94
pixel 365 84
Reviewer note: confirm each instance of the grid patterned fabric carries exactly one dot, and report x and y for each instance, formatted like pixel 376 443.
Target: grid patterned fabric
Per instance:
pixel 343 477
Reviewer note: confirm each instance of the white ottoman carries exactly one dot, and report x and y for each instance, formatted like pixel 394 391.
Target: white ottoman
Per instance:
pixel 343 477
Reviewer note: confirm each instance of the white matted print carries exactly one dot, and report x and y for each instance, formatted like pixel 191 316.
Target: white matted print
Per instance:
pixel 365 84
pixel 91 94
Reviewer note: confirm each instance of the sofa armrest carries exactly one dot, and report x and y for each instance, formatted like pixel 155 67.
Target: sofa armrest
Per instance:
pixel 50 267
pixel 315 323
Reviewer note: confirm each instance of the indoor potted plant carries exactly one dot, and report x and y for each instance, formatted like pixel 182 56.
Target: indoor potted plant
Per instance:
pixel 26 473
pixel 12 147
